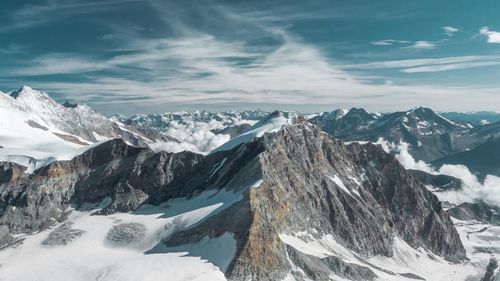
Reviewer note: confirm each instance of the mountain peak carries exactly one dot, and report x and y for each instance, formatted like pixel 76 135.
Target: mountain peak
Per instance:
pixel 359 112
pixel 422 111
pixel 68 104
pixel 24 90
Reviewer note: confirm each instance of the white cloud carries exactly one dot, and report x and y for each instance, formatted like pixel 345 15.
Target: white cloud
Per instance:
pixel 194 136
pixel 493 36
pixel 423 45
pixel 406 44
pixel 446 67
pixel 450 30
pixel 472 190
pixel 432 65
pixel 389 42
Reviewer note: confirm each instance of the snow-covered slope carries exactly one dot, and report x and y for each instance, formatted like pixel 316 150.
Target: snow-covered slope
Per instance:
pixel 28 136
pixel 122 246
pixel 272 123
pixel 36 130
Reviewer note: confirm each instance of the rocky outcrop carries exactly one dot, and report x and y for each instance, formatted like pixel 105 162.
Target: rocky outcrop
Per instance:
pixel 491 274
pixel 438 182
pixel 232 131
pixel 11 173
pixel 321 268
pixel 479 211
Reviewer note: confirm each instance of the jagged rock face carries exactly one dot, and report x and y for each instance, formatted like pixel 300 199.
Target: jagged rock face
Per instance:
pixel 491 273
pixel 479 211
pixel 125 174
pixel 310 181
pixel 11 173
pixel 128 176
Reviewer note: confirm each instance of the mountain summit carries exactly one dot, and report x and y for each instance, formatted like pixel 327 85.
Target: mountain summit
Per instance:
pixel 37 130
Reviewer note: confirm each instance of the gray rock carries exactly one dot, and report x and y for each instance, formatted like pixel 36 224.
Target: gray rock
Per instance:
pixel 321 268
pixel 479 211
pixel 62 235
pixel 490 271
pixel 5 237
pixel 126 233
pixel 439 182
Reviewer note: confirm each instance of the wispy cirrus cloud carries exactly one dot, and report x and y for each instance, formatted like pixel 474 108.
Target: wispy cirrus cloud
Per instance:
pixel 423 45
pixel 431 65
pixel 294 72
pixel 389 42
pixel 33 15
pixel 450 30
pixel 492 36
pixel 419 45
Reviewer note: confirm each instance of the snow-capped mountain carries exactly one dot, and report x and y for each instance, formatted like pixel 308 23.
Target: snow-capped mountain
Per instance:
pixel 429 135
pixel 36 130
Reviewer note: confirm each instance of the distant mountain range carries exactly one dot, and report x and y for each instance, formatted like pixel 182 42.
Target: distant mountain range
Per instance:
pixel 475 118
pixel 431 137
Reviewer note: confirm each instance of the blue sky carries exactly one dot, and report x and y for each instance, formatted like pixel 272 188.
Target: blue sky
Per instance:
pixel 133 56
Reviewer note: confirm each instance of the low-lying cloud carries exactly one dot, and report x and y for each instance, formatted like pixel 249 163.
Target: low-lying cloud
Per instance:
pixel 473 190
pixel 193 136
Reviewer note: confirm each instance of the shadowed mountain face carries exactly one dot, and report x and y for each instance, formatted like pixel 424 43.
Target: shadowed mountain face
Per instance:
pixel 482 160
pixel 437 182
pixel 479 211
pixel 298 179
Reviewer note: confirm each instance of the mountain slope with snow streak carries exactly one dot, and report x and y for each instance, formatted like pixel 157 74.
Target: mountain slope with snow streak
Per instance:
pixel 272 123
pixel 36 130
